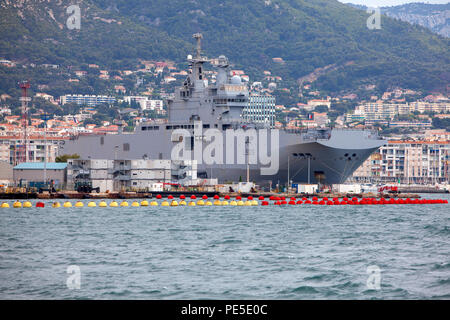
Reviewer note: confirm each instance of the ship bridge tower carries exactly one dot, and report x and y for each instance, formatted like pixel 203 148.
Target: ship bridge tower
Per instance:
pixel 197 76
pixel 222 75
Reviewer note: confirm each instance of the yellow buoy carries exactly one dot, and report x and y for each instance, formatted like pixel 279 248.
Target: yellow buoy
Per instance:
pixel 79 204
pixel 114 204
pixel 208 203
pixel 192 204
pixel 174 204
pixel 225 203
pixel 240 203
pixel 144 203
pixel 67 205
pixel 183 203
pixel 92 204
pixel 103 204
pixel 233 203
pixel 154 204
pixel 124 204
pixel 27 204
pixel 17 204
pixel 255 203
pixel 5 205
pixel 247 203
pixel 135 204
pixel 217 203
pixel 56 205
pixel 201 203
pixel 165 204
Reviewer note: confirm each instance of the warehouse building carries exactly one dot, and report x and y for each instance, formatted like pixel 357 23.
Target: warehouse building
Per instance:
pixel 35 174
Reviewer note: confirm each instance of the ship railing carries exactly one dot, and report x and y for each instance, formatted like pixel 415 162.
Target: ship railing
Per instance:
pixel 311 134
pixel 370 133
pixel 242 124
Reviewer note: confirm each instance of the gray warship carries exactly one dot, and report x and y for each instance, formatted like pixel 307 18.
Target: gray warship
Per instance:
pixel 319 155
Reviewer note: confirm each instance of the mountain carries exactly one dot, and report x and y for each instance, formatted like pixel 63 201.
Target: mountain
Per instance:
pixel 322 40
pixel 36 31
pixel 435 17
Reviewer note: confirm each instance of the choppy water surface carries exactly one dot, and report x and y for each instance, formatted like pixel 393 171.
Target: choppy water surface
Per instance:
pixel 292 252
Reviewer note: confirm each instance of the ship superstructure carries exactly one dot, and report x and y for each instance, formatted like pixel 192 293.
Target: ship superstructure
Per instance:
pixel 199 108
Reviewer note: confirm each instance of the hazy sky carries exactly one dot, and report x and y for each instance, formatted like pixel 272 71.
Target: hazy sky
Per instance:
pixel 382 3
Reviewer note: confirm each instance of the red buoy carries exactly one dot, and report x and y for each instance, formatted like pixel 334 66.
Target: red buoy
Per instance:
pixel 227 197
pixel 159 196
pixel 261 198
pixel 299 202
pixel 182 197
pixel 205 197
pixel 250 198
pixel 193 197
pixel 170 197
pixel 40 205
pixel 292 203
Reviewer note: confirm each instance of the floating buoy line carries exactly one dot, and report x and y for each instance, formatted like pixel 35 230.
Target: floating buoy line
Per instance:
pixel 226 201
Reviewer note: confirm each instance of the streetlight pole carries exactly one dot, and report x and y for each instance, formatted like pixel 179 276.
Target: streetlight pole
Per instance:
pixel 309 170
pixel 248 172
pixel 288 173
pixel 45 152
pixel 45 118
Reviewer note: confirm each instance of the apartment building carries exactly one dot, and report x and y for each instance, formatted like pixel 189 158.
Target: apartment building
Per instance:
pixel 260 109
pixel 408 162
pixel 376 111
pixel 145 103
pixel 86 100
pixel 154 105
pixel 436 107
pixel 12 149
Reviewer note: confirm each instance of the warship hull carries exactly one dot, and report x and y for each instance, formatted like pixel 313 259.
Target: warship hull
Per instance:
pixel 326 161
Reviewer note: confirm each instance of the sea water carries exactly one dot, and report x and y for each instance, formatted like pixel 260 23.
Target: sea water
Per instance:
pixel 274 252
